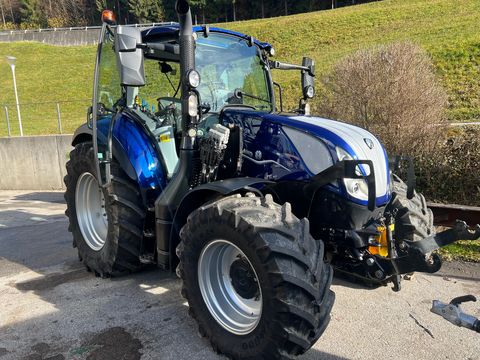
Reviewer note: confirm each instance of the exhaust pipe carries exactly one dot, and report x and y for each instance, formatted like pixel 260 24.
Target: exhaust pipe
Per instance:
pixel 187 56
pixel 167 203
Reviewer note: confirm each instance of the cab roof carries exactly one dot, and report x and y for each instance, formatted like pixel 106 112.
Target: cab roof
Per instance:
pixel 170 32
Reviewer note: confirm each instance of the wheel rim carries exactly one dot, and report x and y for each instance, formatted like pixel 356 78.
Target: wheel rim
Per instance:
pixel 91 212
pixel 230 287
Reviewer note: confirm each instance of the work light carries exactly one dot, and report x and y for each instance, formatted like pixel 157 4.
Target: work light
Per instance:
pixel 193 79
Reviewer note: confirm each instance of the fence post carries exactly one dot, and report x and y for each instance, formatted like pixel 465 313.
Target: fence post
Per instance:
pixel 8 122
pixel 59 121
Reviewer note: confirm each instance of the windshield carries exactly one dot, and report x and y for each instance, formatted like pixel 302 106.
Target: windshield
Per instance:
pixel 229 66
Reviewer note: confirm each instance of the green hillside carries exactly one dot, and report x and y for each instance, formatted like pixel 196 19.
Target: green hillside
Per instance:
pixel 447 29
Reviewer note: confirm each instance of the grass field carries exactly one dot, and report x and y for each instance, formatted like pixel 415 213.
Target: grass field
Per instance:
pixel 447 29
pixel 462 250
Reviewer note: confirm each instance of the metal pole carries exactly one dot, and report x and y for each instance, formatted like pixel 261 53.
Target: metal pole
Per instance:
pixel 12 66
pixel 8 122
pixel 59 119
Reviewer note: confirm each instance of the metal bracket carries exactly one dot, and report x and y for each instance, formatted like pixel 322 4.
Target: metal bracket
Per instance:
pixel 454 314
pixel 346 169
pixel 395 163
pixel 460 231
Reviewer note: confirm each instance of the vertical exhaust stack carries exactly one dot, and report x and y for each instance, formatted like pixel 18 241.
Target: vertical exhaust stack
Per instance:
pixel 187 58
pixel 167 203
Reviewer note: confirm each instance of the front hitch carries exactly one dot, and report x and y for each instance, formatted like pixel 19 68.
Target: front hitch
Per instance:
pixel 416 256
pixel 453 312
pixel 460 231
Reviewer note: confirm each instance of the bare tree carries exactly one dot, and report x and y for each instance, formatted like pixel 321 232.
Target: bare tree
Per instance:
pixel 391 91
pixel 3 13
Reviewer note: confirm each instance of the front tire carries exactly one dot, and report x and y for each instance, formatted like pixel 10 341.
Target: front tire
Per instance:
pixel 254 278
pixel 414 220
pixel 106 224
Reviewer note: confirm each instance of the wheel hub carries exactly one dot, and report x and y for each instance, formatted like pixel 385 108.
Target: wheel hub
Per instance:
pixel 243 279
pixel 230 287
pixel 91 211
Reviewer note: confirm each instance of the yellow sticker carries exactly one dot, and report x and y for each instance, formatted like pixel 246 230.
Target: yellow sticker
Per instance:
pixel 164 138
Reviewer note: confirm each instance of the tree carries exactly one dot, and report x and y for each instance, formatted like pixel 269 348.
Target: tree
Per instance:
pixel 30 12
pixel 199 5
pixel 146 10
pixel 3 14
pixel 101 5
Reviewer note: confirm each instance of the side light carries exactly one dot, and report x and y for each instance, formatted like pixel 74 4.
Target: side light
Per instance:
pixel 310 91
pixel 193 105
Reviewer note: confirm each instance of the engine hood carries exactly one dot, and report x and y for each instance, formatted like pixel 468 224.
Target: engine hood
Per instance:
pixel 357 142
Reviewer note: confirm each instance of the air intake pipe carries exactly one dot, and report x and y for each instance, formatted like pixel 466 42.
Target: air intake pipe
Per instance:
pixel 168 202
pixel 187 64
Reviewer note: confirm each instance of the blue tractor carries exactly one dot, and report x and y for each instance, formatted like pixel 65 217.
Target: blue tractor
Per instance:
pixel 187 162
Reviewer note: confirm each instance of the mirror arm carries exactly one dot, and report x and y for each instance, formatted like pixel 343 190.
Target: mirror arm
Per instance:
pixel 284 66
pixel 170 48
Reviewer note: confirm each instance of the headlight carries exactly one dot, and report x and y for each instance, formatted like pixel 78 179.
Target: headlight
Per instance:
pixel 357 188
pixel 193 105
pixel 193 79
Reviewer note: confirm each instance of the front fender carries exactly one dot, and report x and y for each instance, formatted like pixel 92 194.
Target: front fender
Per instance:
pixel 200 195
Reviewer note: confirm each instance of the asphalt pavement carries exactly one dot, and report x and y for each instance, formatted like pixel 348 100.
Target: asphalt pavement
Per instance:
pixel 52 308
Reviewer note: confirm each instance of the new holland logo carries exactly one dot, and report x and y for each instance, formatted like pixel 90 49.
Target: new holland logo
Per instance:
pixel 369 143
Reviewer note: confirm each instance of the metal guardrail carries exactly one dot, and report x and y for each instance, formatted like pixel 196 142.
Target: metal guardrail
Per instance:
pixel 53 113
pixel 78 28
pixel 447 214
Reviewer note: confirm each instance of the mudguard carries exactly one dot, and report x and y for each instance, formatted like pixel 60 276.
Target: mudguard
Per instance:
pixel 134 150
pixel 196 198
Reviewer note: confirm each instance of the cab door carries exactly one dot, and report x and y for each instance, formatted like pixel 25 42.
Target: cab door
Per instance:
pixel 106 93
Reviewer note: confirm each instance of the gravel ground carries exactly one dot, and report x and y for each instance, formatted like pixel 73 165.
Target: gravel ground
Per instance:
pixel 51 308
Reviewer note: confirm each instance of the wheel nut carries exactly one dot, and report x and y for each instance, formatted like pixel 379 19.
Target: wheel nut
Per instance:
pixel 370 261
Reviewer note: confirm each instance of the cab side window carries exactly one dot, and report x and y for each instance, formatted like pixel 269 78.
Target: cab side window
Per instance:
pixel 109 90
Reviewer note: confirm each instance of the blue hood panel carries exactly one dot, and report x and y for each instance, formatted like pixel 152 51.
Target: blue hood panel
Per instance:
pixel 352 139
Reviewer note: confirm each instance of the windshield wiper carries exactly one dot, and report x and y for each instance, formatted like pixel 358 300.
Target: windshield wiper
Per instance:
pixel 239 94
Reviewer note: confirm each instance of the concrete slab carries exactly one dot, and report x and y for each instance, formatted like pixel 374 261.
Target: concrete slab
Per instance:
pixel 51 308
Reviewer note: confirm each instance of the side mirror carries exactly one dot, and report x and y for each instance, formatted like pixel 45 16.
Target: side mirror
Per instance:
pixel 125 43
pixel 130 59
pixel 308 78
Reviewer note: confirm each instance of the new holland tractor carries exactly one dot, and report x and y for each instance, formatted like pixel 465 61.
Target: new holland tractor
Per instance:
pixel 187 162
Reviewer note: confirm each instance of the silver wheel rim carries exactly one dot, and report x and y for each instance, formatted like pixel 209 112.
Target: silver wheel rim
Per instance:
pixel 233 312
pixel 91 212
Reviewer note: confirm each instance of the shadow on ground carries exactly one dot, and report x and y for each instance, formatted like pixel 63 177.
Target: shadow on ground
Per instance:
pixel 52 308
pixel 43 196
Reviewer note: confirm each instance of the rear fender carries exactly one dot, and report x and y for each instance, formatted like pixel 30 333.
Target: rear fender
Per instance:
pixel 134 150
pixel 84 134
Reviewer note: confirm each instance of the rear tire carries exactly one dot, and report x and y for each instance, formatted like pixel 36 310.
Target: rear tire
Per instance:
pixel 117 251
pixel 414 220
pixel 286 264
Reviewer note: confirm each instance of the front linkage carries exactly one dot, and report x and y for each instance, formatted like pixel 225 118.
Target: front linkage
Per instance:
pixel 405 256
pixel 398 256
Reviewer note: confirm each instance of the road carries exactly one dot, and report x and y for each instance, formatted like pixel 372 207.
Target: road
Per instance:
pixel 51 308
